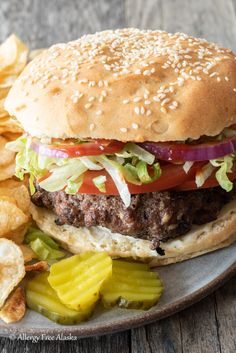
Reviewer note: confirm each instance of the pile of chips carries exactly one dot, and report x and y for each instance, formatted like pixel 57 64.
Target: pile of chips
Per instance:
pixel 13 59
pixel 14 195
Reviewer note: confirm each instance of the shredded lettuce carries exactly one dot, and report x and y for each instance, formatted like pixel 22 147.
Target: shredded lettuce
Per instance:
pixel 90 163
pixel 203 174
pixel 225 165
pixel 44 251
pixel 73 184
pixel 99 182
pixel 187 166
pixel 34 233
pixel 143 174
pixel 115 170
pixel 61 175
pixel 132 165
pixel 131 150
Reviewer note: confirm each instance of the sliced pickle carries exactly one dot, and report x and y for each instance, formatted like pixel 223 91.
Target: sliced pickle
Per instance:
pixel 132 285
pixel 78 279
pixel 43 299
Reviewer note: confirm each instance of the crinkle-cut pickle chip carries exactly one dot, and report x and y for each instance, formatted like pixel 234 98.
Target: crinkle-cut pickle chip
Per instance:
pixel 43 299
pixel 132 285
pixel 78 279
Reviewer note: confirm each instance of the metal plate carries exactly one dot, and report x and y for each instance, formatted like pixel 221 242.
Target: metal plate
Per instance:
pixel 185 283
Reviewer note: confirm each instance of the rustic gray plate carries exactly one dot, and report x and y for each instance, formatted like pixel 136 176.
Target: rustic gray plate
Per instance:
pixel 185 283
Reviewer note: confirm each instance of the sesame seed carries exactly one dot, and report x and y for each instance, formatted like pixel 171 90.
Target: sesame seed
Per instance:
pixel 88 105
pixel 213 74
pixel 156 99
pixel 91 83
pixel 83 81
pixel 142 110
pixel 135 126
pixel 163 110
pixel 136 110
pixel 137 99
pixel 75 99
pixel 148 112
pixel 99 112
pixel 234 89
pixel 123 129
pixel 118 53
pixel 91 127
pixel 147 72
pixel 166 100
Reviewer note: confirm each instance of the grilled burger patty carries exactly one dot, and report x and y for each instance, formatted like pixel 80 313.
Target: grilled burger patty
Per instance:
pixel 156 216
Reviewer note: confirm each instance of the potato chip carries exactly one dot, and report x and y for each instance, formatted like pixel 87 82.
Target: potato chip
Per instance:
pixel 6 156
pixel 13 55
pixel 7 171
pixel 20 194
pixel 11 136
pixel 4 92
pixel 35 53
pixel 38 266
pixel 14 307
pixel 3 112
pixel 10 183
pixel 12 269
pixel 4 120
pixel 7 81
pixel 8 53
pixel 11 216
pixel 11 125
pixel 17 235
pixel 27 252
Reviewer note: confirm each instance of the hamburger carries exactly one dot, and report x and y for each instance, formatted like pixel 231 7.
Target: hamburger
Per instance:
pixel 130 143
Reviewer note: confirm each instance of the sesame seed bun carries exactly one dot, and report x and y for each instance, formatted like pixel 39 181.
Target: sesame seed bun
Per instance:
pixel 128 85
pixel 200 240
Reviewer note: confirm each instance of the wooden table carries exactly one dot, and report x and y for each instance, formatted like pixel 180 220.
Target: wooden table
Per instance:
pixel 209 326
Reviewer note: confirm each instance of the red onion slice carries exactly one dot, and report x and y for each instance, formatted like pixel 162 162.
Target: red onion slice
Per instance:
pixel 170 151
pixel 44 150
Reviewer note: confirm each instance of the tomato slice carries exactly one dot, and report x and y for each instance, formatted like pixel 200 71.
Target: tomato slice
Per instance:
pixel 92 148
pixel 209 183
pixel 171 176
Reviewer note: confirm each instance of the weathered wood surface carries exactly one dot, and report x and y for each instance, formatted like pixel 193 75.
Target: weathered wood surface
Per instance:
pixel 210 325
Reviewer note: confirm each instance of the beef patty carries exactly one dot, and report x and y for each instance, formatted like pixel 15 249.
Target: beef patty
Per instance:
pixel 156 216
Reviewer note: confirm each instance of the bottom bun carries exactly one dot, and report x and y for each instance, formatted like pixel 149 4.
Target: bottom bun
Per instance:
pixel 200 240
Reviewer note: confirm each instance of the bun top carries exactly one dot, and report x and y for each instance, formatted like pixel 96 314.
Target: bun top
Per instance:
pixel 129 85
